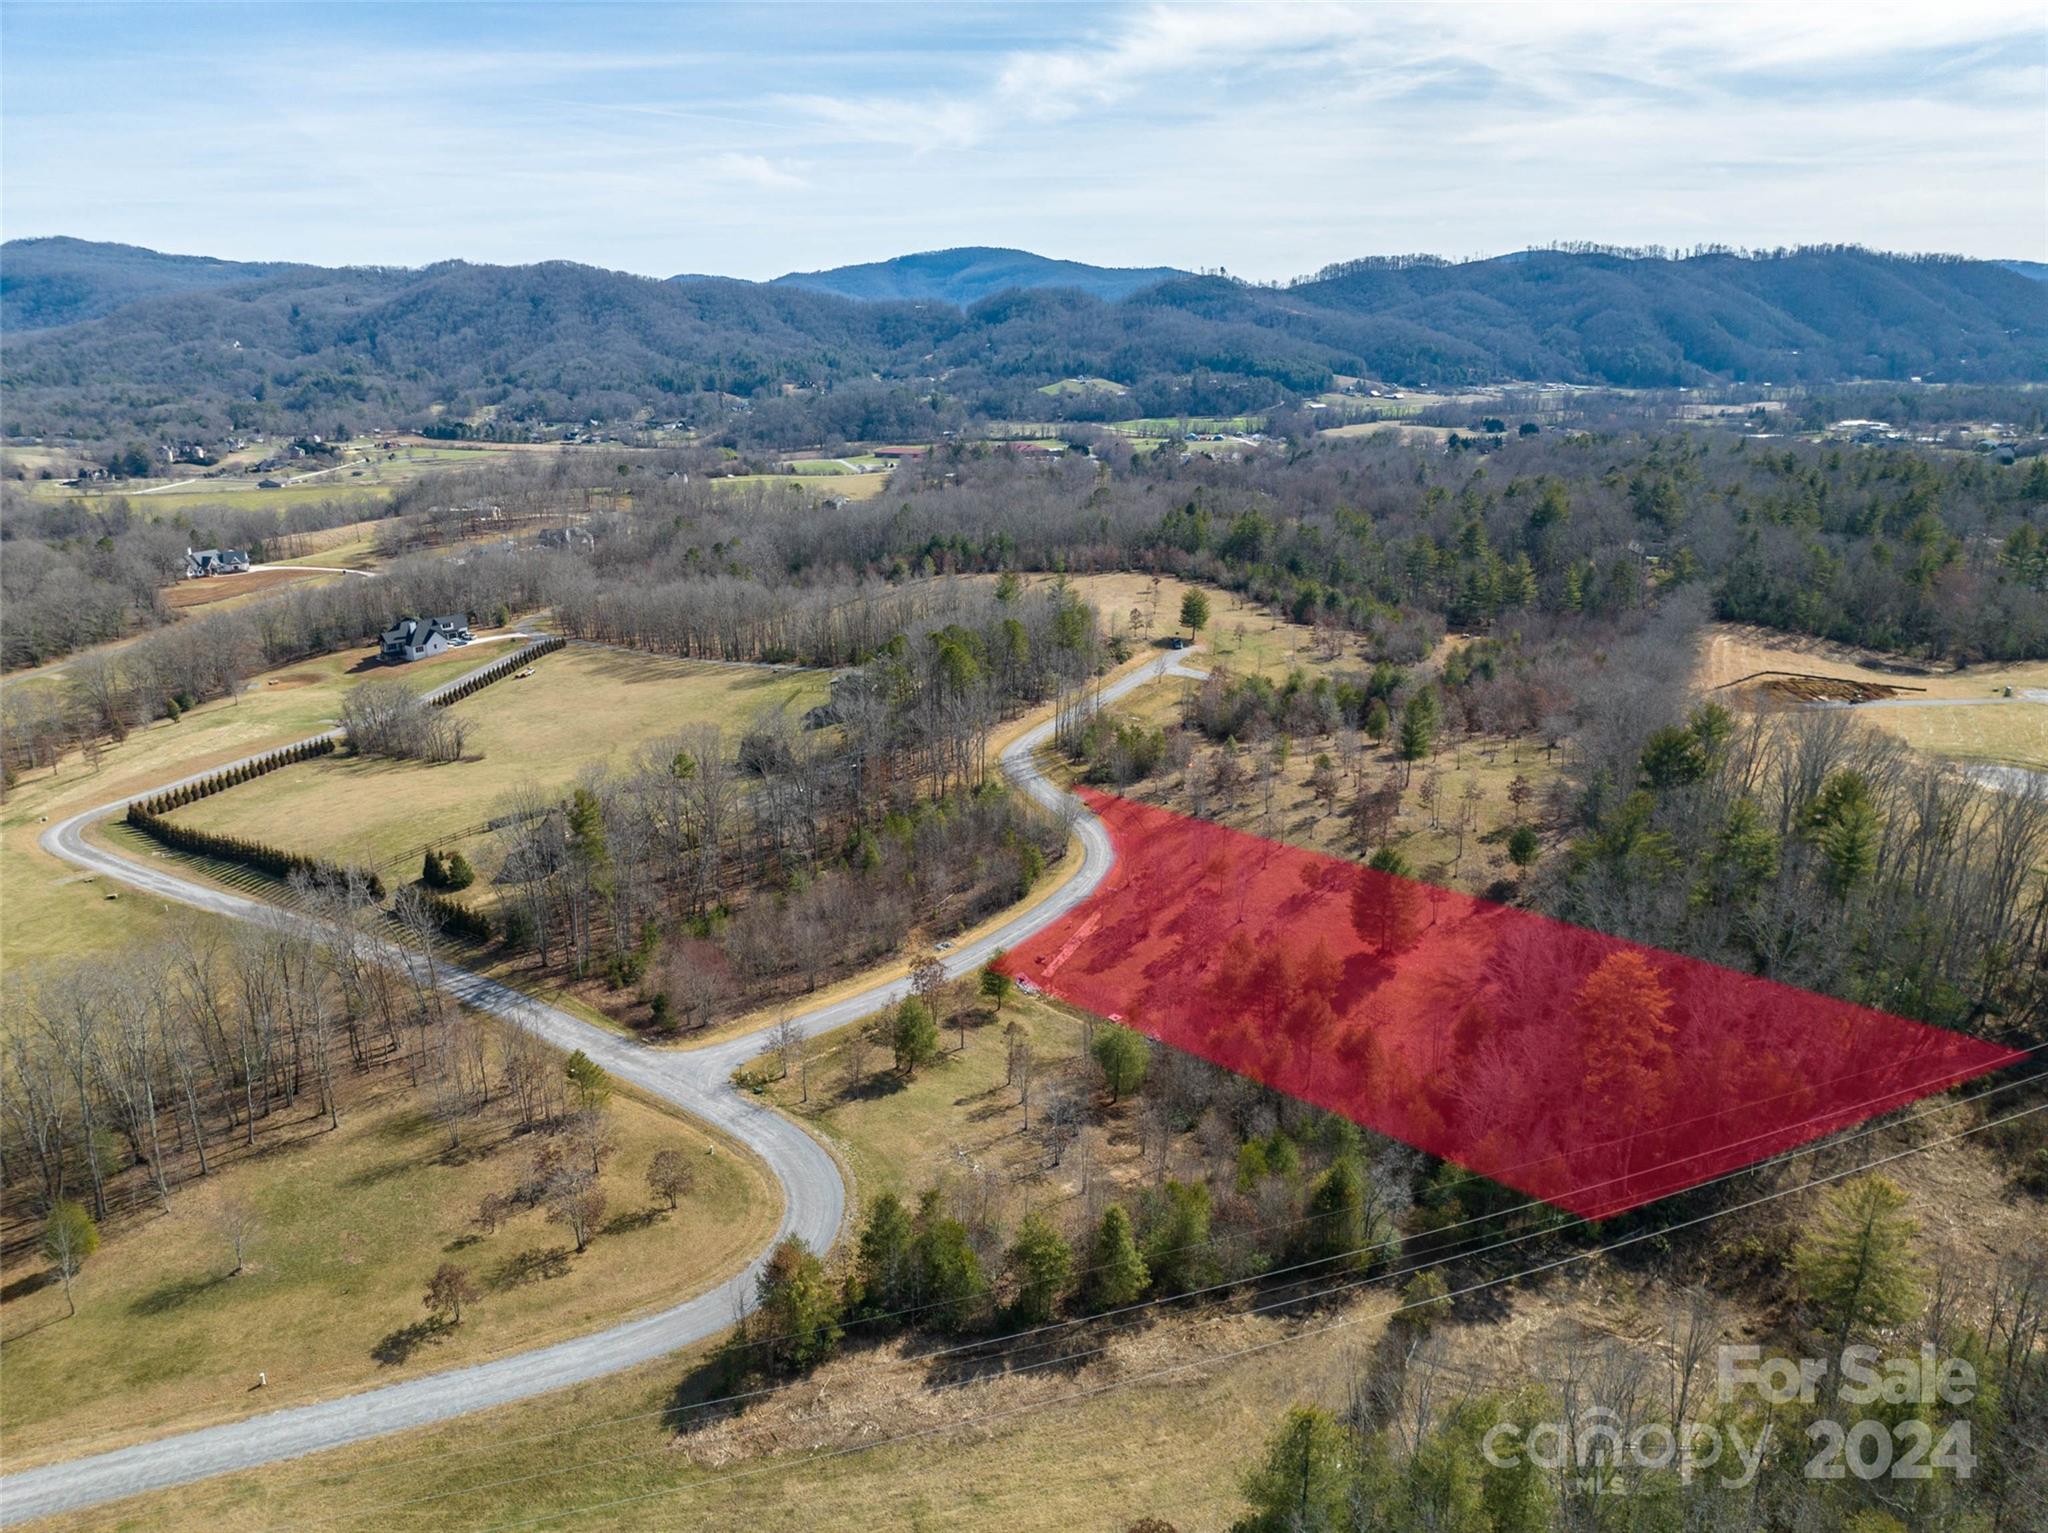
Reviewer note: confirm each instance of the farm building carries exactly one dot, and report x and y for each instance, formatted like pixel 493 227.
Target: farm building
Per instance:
pixel 414 638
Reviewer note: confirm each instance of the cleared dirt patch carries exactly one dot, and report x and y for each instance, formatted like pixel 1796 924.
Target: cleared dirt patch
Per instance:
pixel 1800 686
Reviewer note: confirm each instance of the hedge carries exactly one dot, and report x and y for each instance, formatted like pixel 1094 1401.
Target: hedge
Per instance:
pixel 240 772
pixel 456 918
pixel 498 671
pixel 146 814
pixel 252 854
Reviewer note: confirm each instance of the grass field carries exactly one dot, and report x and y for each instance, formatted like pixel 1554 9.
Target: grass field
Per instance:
pixel 803 488
pixel 1246 637
pixel 52 910
pixel 1161 1424
pixel 1084 387
pixel 899 1136
pixel 2007 734
pixel 224 592
pixel 582 708
pixel 2010 733
pixel 1175 425
pixel 367 474
pixel 1399 430
pixel 1173 1446
pixel 352 1223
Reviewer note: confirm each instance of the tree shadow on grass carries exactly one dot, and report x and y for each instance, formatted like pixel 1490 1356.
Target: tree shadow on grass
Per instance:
pixel 638 1219
pixel 701 1397
pixel 468 1153
pixel 175 1294
pixel 372 1176
pixel 408 1124
pixel 401 1344
pixel 883 1083
pixel 534 1264
pixel 998 1102
pixel 26 1284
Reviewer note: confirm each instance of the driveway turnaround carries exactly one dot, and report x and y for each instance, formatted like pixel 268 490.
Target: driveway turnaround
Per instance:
pixel 697 1081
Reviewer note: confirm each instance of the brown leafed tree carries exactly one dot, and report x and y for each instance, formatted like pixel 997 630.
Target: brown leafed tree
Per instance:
pixel 670 1176
pixel 448 1290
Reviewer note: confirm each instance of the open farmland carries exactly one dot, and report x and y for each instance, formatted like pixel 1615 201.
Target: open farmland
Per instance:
pixel 56 912
pixel 582 708
pixel 224 592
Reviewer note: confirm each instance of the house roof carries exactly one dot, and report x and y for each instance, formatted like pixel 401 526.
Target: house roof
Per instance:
pixel 417 630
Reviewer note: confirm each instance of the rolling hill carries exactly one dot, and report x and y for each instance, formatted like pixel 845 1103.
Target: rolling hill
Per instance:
pixel 59 281
pixel 156 344
pixel 965 276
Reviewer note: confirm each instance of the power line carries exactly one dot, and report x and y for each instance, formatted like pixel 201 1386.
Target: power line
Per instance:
pixel 1439 1257
pixel 883 1317
pixel 1435 1260
pixel 1253 1349
pixel 1299 1221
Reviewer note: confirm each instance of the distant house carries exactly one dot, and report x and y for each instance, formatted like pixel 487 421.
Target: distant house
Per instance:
pixel 202 562
pixel 566 537
pixel 414 638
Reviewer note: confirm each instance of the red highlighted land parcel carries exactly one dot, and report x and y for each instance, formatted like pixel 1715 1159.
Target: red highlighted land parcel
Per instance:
pixel 1595 1074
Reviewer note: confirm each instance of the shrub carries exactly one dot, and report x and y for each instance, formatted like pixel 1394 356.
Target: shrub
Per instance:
pixel 251 854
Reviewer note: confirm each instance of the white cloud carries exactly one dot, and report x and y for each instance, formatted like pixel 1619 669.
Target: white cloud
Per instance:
pixel 1266 138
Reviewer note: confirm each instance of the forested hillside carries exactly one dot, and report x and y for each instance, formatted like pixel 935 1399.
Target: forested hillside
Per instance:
pixel 206 348
pixel 971 273
pixel 60 281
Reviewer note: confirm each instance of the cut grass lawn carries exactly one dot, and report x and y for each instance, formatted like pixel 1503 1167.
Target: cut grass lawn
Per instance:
pixel 867 1442
pixel 1172 1447
pixel 582 708
pixel 2006 733
pixel 352 1224
pixel 53 911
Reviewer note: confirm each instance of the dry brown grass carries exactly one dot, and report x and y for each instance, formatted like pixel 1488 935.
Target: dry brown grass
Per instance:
pixel 220 590
pixel 352 1223
pixel 2014 733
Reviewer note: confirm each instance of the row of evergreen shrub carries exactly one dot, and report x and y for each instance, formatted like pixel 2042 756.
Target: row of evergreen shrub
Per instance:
pixel 458 919
pixel 147 815
pixel 240 772
pixel 499 671
pixel 251 854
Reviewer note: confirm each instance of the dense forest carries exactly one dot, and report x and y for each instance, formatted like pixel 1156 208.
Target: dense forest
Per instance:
pixel 206 350
pixel 1942 557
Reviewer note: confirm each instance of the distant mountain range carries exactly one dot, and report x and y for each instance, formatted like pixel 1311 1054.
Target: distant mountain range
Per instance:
pixel 106 339
pixel 965 276
pixel 59 281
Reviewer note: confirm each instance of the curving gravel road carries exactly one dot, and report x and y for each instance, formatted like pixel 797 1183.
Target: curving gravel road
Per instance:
pixel 697 1080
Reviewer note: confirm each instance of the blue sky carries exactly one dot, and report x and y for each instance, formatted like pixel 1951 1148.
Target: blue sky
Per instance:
pixel 1267 139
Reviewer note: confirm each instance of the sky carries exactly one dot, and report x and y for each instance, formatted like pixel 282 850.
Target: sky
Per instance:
pixel 1264 139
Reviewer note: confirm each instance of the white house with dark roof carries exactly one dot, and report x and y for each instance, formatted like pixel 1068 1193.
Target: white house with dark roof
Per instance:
pixel 201 562
pixel 415 638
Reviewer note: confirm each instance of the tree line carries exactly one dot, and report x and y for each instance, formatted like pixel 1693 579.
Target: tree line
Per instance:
pixel 129 1078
